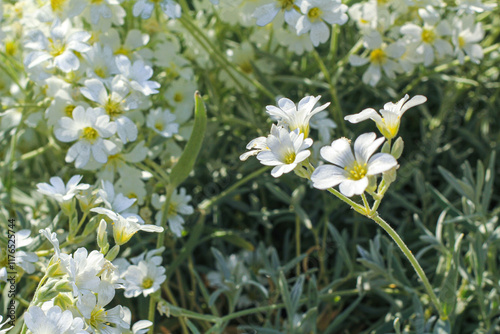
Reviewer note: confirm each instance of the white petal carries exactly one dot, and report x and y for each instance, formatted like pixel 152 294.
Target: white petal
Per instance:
pixel 365 145
pixel 353 187
pixel 265 14
pixel 365 114
pixel 338 153
pixel 380 162
pixel 327 176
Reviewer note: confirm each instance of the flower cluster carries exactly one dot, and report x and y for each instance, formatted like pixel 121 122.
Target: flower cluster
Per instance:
pixel 307 21
pixel 287 145
pixel 74 295
pixel 286 149
pixel 398 37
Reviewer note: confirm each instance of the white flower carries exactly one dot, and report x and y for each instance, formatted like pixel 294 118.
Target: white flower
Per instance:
pixel 145 277
pixel 138 75
pixel 60 192
pixel 125 228
pixel 83 270
pixel 323 124
pixel 255 145
pixel 101 62
pixel 429 37
pixel 104 12
pixel 171 8
pixel 296 117
pixel 58 48
pixel 114 104
pixel 52 238
pixel 381 57
pixel 474 6
pixel 53 321
pixel 24 259
pixel 266 13
pixel 89 127
pixel 348 170
pixel 99 319
pixel 162 122
pixel 179 96
pixel 144 8
pixel 389 122
pixel 178 206
pixel 466 37
pixel 315 14
pixel 115 202
pixel 286 150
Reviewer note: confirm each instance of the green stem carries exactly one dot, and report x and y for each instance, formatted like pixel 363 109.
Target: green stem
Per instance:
pixel 297 243
pixel 409 255
pixel 164 214
pixel 337 111
pixel 196 32
pixel 209 202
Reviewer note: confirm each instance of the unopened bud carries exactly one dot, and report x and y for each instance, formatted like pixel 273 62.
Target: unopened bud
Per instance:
pixel 102 236
pixel 390 175
pixel 397 148
pixel 113 253
pixel 386 147
pixel 63 286
pixel 64 301
pixel 56 270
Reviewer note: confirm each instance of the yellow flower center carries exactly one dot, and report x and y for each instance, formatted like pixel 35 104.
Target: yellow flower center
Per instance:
pixel 68 110
pixel 286 4
pixel 461 42
pixel 147 283
pixel 172 209
pixel 178 97
pixel 57 5
pixel 97 317
pixel 96 2
pixel 159 126
pixel 290 158
pixel 246 67
pixel 90 134
pixel 11 48
pixel 357 171
pixel 56 48
pixel 314 14
pixel 132 195
pixel 99 71
pixel 113 108
pixel 122 51
pixel 382 2
pixel 378 57
pixel 428 36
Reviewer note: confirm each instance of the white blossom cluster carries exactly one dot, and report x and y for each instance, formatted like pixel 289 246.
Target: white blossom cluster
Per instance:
pixel 77 288
pixel 397 35
pixel 400 35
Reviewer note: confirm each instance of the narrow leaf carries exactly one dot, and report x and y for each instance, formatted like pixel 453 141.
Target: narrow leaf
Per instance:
pixel 185 165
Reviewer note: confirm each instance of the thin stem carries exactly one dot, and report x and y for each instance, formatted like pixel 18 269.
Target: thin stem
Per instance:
pixel 209 202
pixel 297 243
pixel 337 112
pixel 164 214
pixel 409 255
pixel 196 32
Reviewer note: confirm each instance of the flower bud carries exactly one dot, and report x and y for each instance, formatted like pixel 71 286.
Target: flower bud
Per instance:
pixel 64 301
pixel 56 270
pixel 63 286
pixel 390 175
pixel 113 253
pixel 102 236
pixel 386 147
pixel 397 148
